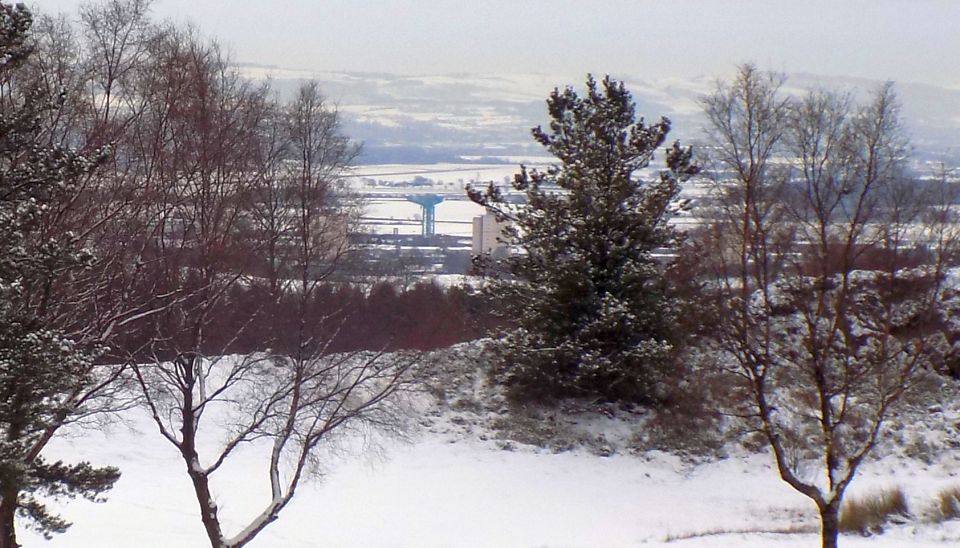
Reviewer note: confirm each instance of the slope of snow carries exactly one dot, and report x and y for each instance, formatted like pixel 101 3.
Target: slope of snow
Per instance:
pixel 466 479
pixel 435 492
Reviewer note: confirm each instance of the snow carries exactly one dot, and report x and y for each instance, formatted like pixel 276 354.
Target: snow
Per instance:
pixel 441 491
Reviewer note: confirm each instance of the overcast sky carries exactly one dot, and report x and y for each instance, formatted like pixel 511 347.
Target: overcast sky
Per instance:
pixel 902 40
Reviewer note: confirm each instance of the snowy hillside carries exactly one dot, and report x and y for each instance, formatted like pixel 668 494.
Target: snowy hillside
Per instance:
pixel 461 481
pixel 438 118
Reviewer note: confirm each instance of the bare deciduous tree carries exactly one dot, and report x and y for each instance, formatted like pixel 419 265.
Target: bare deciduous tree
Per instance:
pixel 117 34
pixel 828 264
pixel 230 183
pixel 299 207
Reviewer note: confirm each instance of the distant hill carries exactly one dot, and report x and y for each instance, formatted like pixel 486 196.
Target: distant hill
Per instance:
pixel 443 118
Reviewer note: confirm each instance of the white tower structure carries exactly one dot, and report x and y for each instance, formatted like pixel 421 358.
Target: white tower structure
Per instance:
pixel 487 231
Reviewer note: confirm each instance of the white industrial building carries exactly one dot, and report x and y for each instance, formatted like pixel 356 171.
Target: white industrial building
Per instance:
pixel 488 236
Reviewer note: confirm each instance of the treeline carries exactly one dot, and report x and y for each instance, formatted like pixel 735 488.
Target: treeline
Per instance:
pixel 346 317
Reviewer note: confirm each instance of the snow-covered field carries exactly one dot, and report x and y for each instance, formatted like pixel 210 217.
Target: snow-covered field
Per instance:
pixel 440 489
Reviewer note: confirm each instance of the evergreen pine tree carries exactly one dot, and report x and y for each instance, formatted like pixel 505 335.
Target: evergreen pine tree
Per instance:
pixel 592 307
pixel 41 364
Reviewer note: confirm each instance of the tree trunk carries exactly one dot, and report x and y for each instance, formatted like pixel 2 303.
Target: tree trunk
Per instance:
pixel 187 367
pixel 8 512
pixel 208 509
pixel 830 525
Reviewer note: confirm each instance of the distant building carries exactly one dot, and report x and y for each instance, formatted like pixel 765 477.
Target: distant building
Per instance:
pixel 487 231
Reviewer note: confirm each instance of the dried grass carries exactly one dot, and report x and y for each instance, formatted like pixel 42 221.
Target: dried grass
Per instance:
pixel 948 504
pixel 868 514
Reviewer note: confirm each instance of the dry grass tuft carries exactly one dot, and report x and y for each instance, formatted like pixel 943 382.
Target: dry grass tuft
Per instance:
pixel 948 504
pixel 868 514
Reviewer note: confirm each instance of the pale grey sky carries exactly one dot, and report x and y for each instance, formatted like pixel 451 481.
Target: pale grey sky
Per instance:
pixel 902 40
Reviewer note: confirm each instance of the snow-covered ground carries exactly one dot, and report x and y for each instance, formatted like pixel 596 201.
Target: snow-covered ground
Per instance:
pixel 435 493
pixel 457 483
